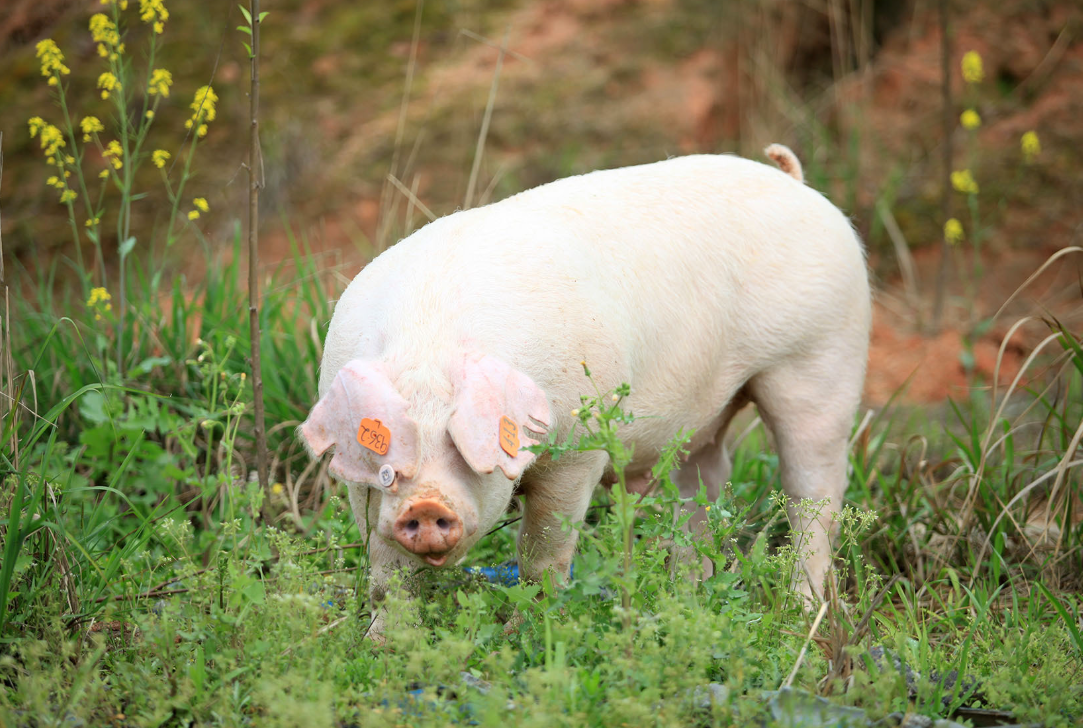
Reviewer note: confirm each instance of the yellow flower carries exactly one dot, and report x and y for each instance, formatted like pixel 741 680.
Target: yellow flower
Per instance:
pixel 90 125
pixel 51 138
pixel 67 196
pixel 70 160
pixel 277 489
pixel 150 113
pixel 52 60
pixel 159 27
pixel 105 34
pixel 108 83
pixel 953 231
pixel 159 157
pixel 964 182
pixel 1031 146
pixel 153 11
pixel 114 153
pixel 970 119
pixel 201 203
pixel 93 221
pixel 972 68
pixel 104 173
pixel 98 295
pixel 193 214
pixel 53 181
pixel 160 81
pixel 203 105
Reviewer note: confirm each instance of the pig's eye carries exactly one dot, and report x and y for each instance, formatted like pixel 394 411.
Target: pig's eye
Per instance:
pixel 386 475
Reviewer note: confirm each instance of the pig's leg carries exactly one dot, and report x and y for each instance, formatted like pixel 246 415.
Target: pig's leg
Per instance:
pixel 385 562
pixel 711 465
pixel 810 404
pixel 553 493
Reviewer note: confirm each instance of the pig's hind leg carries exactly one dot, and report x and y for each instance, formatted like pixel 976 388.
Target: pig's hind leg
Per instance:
pixel 809 404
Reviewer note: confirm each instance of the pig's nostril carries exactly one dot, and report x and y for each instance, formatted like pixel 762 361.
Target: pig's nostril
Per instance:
pixel 412 526
pixel 442 524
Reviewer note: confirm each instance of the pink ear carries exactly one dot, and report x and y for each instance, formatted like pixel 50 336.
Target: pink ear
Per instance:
pixel 486 391
pixel 361 390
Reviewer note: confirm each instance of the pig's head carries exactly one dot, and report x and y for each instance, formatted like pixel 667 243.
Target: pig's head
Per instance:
pixel 444 464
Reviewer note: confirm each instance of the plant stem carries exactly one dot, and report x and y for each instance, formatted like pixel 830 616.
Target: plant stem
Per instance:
pixel 253 257
pixel 948 122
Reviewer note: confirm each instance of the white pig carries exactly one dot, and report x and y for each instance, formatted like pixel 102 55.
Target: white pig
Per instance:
pixel 704 282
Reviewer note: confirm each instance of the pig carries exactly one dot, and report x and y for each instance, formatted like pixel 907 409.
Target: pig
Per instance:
pixel 704 282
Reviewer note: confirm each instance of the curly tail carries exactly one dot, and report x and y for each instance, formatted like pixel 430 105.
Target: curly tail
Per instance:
pixel 786 160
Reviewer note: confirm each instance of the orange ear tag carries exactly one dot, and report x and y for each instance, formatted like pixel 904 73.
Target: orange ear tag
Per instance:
pixel 509 436
pixel 373 435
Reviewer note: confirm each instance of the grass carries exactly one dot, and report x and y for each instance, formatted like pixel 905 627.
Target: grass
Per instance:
pixel 147 580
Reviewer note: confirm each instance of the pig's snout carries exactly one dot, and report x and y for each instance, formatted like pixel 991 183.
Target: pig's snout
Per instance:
pixel 429 529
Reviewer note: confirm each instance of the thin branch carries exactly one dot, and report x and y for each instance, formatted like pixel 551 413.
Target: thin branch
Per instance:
pixel 254 185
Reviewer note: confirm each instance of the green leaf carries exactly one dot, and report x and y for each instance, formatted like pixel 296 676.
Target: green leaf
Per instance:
pixel 246 14
pixel 247 48
pixel 244 29
pixel 263 15
pixel 126 247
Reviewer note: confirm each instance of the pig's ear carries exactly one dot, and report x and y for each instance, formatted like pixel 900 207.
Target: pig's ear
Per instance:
pixel 498 412
pixel 361 391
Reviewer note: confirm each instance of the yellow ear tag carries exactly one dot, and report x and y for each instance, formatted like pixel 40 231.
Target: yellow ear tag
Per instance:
pixel 509 436
pixel 374 435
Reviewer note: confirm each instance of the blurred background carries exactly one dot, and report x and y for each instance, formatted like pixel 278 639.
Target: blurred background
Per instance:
pixel 353 92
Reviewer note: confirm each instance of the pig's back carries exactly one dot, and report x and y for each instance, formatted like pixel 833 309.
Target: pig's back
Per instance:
pixel 681 277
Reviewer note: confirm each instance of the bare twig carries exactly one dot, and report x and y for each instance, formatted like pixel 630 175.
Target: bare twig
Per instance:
pixel 254 185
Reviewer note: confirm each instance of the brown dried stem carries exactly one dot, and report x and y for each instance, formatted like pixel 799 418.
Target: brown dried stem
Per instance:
pixel 254 184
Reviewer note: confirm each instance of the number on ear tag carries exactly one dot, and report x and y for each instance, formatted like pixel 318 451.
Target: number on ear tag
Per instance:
pixel 509 436
pixel 374 435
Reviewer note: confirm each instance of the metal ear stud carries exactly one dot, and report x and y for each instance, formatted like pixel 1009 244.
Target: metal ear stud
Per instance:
pixel 386 475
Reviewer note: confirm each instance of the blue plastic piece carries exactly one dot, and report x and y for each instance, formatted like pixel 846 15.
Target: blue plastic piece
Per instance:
pixel 506 573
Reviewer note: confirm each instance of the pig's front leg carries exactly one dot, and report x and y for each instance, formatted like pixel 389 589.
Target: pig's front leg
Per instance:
pixel 385 561
pixel 554 493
